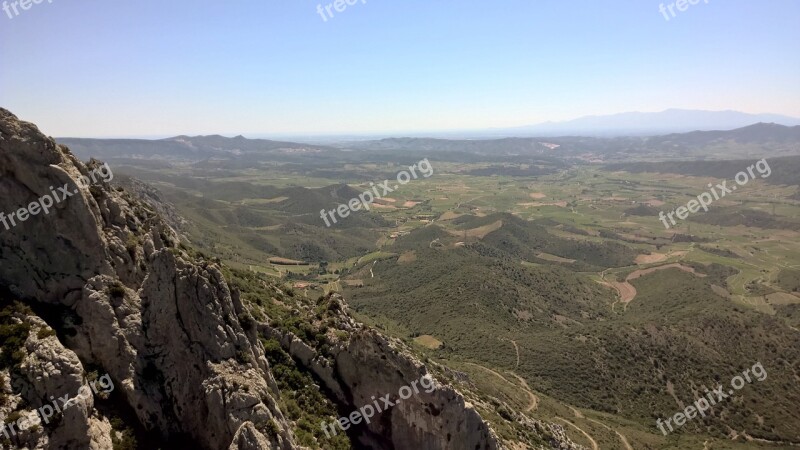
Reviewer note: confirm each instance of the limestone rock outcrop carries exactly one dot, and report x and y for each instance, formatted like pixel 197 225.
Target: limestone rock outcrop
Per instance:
pixel 47 372
pixel 166 329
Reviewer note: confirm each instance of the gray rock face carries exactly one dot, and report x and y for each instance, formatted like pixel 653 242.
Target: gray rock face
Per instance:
pixel 371 366
pixel 167 330
pixel 50 370
pixel 153 198
pixel 368 366
pixel 249 438
pixel 49 255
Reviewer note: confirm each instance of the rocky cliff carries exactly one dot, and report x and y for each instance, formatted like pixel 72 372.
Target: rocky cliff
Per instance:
pixel 165 328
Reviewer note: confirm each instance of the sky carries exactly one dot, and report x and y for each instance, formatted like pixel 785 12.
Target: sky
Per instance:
pixel 146 68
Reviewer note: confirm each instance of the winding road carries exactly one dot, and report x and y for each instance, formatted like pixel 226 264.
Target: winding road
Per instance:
pixel 533 400
pixel 591 440
pixel 622 437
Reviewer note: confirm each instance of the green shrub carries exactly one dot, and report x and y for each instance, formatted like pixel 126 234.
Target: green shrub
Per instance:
pixel 13 416
pixel 117 290
pixel 242 357
pixel 272 429
pixel 246 321
pixel 122 437
pixel 12 336
pixel 45 333
pixel 131 243
pixel 302 400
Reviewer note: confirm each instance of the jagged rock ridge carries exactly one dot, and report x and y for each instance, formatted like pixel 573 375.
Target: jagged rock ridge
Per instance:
pixel 165 328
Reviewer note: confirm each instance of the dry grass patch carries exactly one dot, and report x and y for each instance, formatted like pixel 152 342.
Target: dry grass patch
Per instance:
pixel 428 341
pixel 450 215
pixel 261 201
pixel 625 290
pixel 782 298
pixel 554 258
pixel 407 257
pixel 651 258
pixel 287 262
pixel 382 206
pixel 481 232
pixel 561 204
pixel 523 315
pixel 642 272
pixel 657 257
pixel 721 291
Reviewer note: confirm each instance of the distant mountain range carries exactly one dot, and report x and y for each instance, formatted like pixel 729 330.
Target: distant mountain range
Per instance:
pixel 760 139
pixel 647 123
pixel 183 147
pixel 213 152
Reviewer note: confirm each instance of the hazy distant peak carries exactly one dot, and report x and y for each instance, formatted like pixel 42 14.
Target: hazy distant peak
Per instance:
pixel 651 123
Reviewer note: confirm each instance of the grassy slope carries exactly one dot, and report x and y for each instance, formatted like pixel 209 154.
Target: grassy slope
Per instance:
pixel 573 348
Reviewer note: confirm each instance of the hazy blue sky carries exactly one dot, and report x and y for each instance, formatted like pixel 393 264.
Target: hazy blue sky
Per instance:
pixel 145 67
